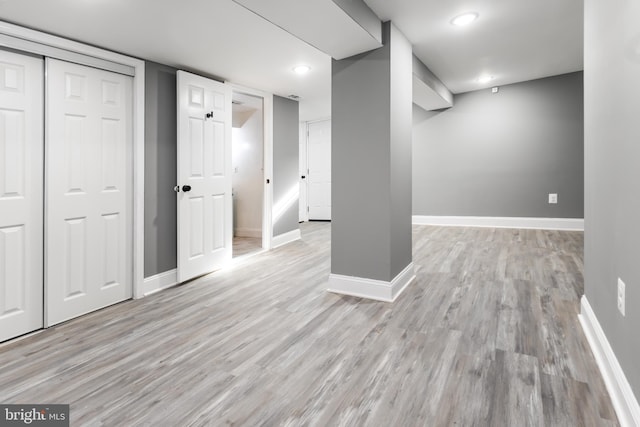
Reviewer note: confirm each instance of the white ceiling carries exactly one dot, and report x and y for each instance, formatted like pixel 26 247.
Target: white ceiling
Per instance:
pixel 513 40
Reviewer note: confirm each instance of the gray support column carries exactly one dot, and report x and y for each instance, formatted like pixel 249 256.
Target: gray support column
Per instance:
pixel 371 170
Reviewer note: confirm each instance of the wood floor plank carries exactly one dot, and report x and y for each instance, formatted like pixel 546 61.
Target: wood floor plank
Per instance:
pixel 486 335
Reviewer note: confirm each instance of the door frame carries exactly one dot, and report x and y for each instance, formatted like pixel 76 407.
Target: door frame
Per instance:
pixel 32 41
pixel 267 152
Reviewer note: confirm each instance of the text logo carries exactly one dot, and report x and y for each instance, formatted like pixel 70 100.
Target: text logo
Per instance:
pixel 34 415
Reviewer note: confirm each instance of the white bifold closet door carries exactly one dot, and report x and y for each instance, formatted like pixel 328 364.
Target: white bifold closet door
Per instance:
pixel 89 238
pixel 21 194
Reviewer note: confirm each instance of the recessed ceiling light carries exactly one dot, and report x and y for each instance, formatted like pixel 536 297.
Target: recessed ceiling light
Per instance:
pixel 485 79
pixel 464 19
pixel 301 69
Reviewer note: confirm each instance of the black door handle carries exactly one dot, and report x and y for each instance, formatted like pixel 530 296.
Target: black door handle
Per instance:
pixel 303 177
pixel 186 188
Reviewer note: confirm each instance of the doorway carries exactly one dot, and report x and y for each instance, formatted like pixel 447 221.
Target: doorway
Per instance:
pixel 247 148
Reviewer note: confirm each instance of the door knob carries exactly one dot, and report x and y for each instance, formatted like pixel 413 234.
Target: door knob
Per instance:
pixel 303 177
pixel 186 188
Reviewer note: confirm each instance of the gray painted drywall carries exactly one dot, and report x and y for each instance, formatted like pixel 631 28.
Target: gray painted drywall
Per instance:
pixel 371 160
pixel 285 165
pixel 401 66
pixel 501 154
pixel 428 78
pixel 612 175
pixel 160 216
pixel 362 14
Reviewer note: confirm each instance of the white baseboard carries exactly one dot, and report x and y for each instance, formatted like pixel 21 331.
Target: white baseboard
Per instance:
pixel 248 232
pixel 568 224
pixel 372 289
pixel 160 281
pixel 285 238
pixel 622 397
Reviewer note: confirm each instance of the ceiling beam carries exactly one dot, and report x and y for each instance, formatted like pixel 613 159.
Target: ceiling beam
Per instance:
pixel 339 28
pixel 429 92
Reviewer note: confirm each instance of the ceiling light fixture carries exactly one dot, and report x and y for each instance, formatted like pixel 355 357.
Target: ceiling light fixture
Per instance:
pixel 301 69
pixel 464 19
pixel 485 79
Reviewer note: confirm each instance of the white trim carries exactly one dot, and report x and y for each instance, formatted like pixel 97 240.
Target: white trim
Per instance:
pixel 160 281
pixel 372 289
pixel 138 129
pixel 55 42
pixel 64 55
pixel 285 238
pixel 247 232
pixel 622 397
pixel 324 119
pixel 568 224
pixel 267 205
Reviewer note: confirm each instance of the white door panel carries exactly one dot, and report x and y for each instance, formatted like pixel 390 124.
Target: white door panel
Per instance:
pixel 204 164
pixel 319 179
pixel 89 190
pixel 303 204
pixel 21 194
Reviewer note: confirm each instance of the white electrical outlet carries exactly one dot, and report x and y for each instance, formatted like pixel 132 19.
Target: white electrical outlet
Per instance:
pixel 553 198
pixel 621 297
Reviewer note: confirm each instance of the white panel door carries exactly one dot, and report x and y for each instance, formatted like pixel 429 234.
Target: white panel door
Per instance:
pixel 204 175
pixel 319 178
pixel 21 194
pixel 89 234
pixel 303 204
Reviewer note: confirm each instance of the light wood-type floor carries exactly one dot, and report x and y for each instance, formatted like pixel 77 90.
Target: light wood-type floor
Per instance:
pixel 246 245
pixel 486 336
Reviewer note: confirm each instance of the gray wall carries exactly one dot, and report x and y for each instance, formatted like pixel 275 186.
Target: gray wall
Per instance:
pixel 285 164
pixel 370 161
pixel 401 85
pixel 160 216
pixel 502 154
pixel 612 174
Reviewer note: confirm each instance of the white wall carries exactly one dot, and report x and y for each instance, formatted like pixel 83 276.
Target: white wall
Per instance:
pixel 247 158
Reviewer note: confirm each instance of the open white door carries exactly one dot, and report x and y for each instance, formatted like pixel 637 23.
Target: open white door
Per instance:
pixel 89 243
pixel 319 178
pixel 205 224
pixel 21 194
